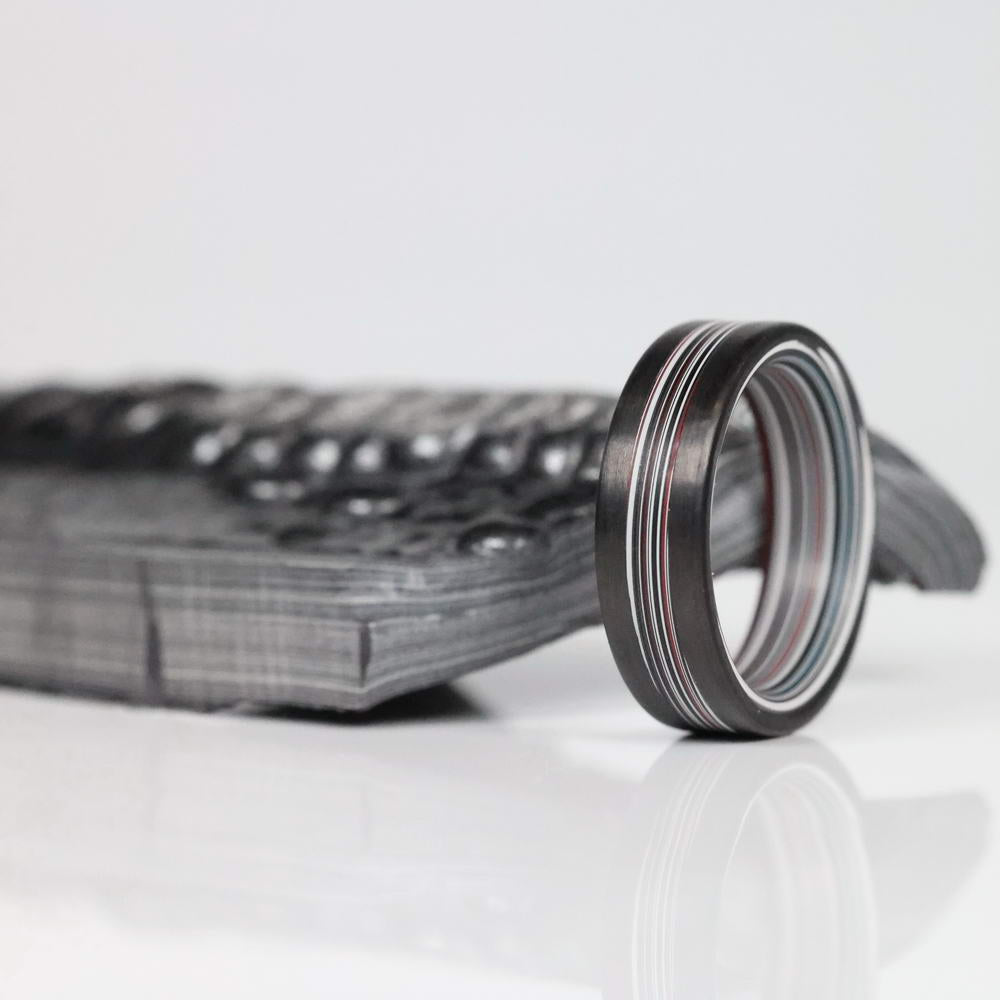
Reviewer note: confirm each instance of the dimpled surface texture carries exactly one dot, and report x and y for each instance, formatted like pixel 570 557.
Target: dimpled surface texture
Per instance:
pixel 183 543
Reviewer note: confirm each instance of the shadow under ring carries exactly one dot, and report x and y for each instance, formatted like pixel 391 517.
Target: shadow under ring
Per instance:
pixel 654 567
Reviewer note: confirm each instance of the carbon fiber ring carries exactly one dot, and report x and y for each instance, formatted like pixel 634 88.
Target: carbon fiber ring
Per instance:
pixel 654 519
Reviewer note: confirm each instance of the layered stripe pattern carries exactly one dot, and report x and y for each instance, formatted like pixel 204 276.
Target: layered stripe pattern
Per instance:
pixel 821 525
pixel 202 545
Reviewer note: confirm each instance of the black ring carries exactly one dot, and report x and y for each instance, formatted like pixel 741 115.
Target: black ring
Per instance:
pixel 654 566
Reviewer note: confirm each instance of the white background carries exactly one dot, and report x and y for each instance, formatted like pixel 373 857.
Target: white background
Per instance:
pixel 496 193
pixel 519 192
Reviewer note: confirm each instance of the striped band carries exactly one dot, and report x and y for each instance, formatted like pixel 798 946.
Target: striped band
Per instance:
pixel 669 431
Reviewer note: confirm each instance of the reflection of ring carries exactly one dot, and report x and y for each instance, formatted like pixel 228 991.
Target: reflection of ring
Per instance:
pixel 654 527
pixel 748 876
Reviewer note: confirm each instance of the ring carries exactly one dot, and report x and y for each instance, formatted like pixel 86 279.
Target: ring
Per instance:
pixel 654 516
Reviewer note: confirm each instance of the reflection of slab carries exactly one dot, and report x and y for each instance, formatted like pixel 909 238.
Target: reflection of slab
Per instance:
pixel 504 855
pixel 193 546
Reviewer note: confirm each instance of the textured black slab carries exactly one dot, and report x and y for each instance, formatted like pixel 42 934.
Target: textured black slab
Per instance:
pixel 194 545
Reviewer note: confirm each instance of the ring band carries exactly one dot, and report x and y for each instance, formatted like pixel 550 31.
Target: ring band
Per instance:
pixel 654 511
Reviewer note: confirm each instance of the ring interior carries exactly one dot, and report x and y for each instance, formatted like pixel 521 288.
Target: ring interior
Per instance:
pixel 815 493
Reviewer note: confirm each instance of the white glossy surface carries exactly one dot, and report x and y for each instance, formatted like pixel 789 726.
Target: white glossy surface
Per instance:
pixel 529 833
